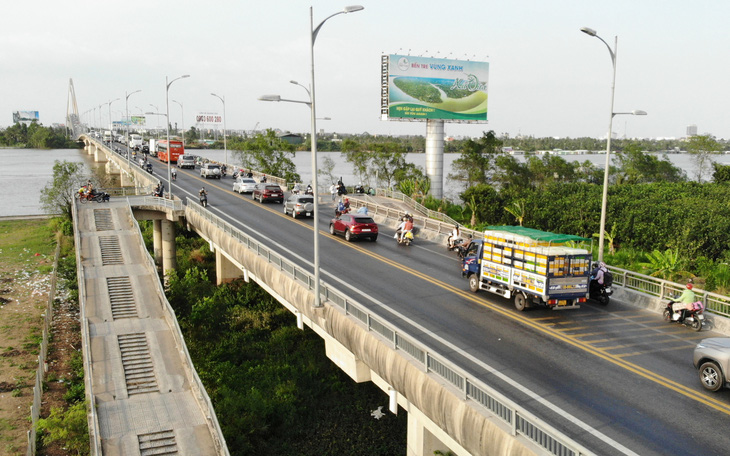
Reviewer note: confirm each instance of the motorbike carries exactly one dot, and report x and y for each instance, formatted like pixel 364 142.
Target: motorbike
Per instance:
pixel 174 175
pixel 693 318
pixel 148 167
pixel 599 292
pixel 407 239
pixel 204 200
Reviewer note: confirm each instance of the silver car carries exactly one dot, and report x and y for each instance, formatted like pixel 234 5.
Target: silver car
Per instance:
pixel 712 358
pixel 299 205
pixel 210 170
pixel 244 185
pixel 186 161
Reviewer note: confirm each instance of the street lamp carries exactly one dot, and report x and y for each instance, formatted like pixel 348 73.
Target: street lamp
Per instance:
pixel 182 110
pixel 111 129
pixel 225 146
pixel 604 200
pixel 167 118
pixel 311 104
pixel 126 105
pixel 157 128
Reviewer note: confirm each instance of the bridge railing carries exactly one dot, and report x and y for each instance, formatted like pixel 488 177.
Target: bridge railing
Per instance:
pixel 519 420
pixel 440 216
pixel 663 289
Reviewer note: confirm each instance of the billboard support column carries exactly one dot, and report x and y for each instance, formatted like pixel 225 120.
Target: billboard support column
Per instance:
pixel 435 156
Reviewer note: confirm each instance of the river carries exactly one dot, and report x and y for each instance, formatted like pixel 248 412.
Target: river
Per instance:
pixel 24 172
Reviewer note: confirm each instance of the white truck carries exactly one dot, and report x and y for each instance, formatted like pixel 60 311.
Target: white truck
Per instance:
pixel 135 142
pixel 530 266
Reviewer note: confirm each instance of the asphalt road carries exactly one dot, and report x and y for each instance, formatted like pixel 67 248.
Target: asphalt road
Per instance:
pixel 617 379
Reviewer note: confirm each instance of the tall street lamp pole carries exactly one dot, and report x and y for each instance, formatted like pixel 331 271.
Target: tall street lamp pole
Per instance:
pixel 311 104
pixel 604 199
pixel 182 110
pixel 111 129
pixel 313 38
pixel 126 104
pixel 167 118
pixel 225 146
pixel 157 129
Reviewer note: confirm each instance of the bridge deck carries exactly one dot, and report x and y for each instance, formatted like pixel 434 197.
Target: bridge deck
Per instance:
pixel 140 377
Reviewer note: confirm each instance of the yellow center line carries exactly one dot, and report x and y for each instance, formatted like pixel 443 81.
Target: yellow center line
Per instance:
pixel 600 353
pixel 571 340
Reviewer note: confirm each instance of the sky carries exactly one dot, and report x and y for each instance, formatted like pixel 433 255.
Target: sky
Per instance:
pixel 546 78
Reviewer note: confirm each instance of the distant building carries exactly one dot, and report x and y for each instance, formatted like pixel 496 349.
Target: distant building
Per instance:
pixel 291 138
pixel 691 130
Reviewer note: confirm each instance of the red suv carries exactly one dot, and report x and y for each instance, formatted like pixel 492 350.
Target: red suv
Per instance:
pixel 354 226
pixel 268 192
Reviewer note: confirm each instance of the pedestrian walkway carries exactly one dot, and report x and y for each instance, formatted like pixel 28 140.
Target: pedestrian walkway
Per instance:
pixel 147 395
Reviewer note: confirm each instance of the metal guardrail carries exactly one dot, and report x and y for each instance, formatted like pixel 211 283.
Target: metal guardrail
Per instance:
pixel 388 193
pixel 664 289
pixel 519 420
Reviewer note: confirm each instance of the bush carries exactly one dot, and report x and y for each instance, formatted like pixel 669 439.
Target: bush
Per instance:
pixel 68 427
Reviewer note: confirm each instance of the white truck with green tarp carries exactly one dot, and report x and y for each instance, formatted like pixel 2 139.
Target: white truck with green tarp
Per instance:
pixel 530 266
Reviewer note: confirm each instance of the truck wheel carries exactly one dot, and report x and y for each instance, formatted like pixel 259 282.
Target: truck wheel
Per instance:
pixel 474 283
pixel 520 302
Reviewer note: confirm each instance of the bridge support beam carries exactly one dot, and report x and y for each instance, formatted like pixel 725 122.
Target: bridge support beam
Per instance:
pixel 99 155
pixel 112 168
pixel 346 360
pixel 225 269
pixel 169 261
pixel 157 241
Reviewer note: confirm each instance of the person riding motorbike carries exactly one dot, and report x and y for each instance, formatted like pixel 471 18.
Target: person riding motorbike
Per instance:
pixel 297 188
pixel 597 276
pixel 684 302
pixel 343 207
pixel 202 192
pixel 174 174
pixel 309 190
pixel 407 227
pixel 359 188
pixel 454 237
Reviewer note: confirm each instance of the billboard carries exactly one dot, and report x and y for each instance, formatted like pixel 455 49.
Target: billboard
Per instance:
pixel 209 118
pixel 420 88
pixel 133 120
pixel 138 120
pixel 25 116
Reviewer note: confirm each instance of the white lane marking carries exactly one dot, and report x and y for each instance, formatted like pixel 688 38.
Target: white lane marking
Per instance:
pixel 536 397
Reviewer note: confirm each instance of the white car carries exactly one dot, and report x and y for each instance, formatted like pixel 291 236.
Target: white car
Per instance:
pixel 244 185
pixel 210 170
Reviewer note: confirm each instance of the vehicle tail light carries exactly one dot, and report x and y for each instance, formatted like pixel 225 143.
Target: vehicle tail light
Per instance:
pixel 552 302
pixel 582 299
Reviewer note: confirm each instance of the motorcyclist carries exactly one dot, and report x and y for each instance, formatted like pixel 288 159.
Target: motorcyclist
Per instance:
pixel 359 188
pixel 454 236
pixel 407 227
pixel 684 302
pixel 174 174
pixel 597 276
pixel 297 188
pixel 202 193
pixel 309 190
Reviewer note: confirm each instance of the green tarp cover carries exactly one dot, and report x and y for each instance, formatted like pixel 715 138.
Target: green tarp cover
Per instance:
pixel 538 235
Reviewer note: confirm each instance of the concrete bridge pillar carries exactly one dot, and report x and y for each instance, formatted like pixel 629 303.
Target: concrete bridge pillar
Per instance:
pixel 157 241
pixel 99 155
pixel 127 180
pixel 421 442
pixel 169 260
pixel 435 156
pixel 92 149
pixel 112 168
pixel 225 269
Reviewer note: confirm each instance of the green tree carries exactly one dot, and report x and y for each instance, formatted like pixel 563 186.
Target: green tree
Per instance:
pixel 702 146
pixel 326 170
pixel 475 165
pixel 58 195
pixel 637 167
pixel 267 153
pixel 721 174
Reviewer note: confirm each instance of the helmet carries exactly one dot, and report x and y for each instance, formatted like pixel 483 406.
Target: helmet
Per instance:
pixel 347 200
pixel 690 285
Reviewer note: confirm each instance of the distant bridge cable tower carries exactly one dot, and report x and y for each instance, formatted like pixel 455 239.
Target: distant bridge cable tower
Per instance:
pixel 73 121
